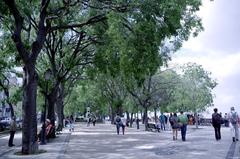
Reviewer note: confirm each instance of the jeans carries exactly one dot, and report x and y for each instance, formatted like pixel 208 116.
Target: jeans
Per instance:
pixel 162 126
pixel 184 131
pixel 217 131
pixel 10 142
pixel 236 131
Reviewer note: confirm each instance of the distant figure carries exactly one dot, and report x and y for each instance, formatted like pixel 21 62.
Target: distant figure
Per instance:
pixel 216 122
pixel 162 119
pixel 183 120
pixel 13 127
pixel 88 119
pixel 71 122
pixel 94 119
pixel 234 120
pixel 119 123
pixel 174 123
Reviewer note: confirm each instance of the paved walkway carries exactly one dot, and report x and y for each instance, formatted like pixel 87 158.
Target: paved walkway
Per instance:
pixel 102 142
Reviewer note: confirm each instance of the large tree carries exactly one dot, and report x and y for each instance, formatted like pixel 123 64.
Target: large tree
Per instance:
pixel 138 42
pixel 29 23
pixel 194 92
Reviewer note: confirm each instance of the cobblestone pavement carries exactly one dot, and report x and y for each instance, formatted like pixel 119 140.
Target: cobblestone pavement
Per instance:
pixel 102 142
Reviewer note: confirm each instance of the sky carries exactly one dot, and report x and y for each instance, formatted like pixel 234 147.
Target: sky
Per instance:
pixel 217 49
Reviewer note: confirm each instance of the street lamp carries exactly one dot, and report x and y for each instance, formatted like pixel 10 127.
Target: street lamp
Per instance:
pixel 47 76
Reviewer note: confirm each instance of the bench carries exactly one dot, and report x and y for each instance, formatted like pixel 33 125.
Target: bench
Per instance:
pixel 152 127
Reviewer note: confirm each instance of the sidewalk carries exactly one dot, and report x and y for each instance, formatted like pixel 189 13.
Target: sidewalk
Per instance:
pixel 102 142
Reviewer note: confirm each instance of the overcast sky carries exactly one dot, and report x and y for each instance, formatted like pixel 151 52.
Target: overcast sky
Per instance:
pixel 217 49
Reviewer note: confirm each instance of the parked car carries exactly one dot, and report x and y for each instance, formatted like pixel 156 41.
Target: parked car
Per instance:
pixel 19 123
pixel 6 122
pixel 2 126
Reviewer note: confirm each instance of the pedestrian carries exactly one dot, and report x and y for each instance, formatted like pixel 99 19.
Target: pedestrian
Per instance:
pixel 162 121
pixel 94 119
pixel 226 121
pixel 216 122
pixel 88 119
pixel 119 123
pixel 13 127
pixel 174 123
pixel 234 121
pixel 71 122
pixel 183 120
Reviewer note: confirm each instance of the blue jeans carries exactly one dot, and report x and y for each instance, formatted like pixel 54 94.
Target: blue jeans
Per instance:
pixel 183 131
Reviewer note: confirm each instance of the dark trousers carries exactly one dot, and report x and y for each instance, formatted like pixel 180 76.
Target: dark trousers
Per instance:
pixel 184 131
pixel 10 142
pixel 217 132
pixel 162 126
pixel 118 128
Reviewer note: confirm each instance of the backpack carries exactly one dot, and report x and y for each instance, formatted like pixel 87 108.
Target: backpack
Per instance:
pixel 234 118
pixel 118 119
pixel 217 118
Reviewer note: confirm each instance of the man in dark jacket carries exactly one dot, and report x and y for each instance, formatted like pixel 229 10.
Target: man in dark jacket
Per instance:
pixel 13 127
pixel 216 122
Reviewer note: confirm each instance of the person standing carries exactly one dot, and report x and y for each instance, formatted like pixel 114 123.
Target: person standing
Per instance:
pixel 162 121
pixel 13 127
pixel 216 122
pixel 234 120
pixel 183 120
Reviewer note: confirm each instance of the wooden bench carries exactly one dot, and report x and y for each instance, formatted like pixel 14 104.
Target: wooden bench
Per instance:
pixel 152 127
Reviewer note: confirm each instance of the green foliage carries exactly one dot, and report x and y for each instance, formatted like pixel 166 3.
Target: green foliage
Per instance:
pixel 194 92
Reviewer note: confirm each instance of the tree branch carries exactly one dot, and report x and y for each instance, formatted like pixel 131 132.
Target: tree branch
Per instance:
pixel 16 36
pixel 90 21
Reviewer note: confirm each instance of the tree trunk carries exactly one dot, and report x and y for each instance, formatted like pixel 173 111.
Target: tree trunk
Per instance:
pixel 29 131
pixel 51 111
pixel 145 118
pixel 131 120
pixel 128 118
pixel 112 114
pixel 60 108
pixel 196 119
pixel 155 115
pixel 142 117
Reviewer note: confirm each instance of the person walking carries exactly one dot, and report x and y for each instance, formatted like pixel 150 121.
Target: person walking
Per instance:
pixel 183 120
pixel 174 123
pixel 234 121
pixel 216 122
pixel 13 127
pixel 119 123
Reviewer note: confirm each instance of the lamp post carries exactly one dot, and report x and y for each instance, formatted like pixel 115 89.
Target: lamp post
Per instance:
pixel 47 76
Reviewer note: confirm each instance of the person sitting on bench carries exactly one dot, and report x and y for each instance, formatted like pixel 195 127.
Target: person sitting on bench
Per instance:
pixel 49 129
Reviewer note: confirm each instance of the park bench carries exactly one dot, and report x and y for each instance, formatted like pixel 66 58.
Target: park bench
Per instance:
pixel 153 127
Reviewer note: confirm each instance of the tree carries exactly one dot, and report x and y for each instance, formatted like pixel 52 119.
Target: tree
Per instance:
pixel 138 42
pixel 194 91
pixel 29 23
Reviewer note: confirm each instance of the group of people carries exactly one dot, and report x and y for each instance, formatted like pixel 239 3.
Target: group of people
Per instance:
pixel 91 118
pixel 178 122
pixel 232 118
pixel 48 131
